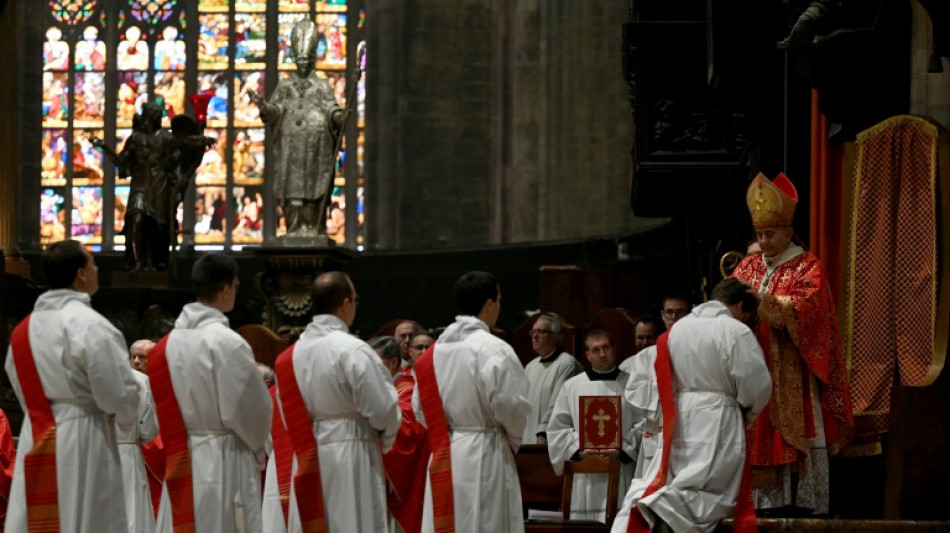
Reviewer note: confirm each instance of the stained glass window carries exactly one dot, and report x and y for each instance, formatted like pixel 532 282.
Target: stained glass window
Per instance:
pixel 145 58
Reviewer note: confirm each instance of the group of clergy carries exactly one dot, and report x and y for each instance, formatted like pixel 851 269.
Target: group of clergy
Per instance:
pixel 353 437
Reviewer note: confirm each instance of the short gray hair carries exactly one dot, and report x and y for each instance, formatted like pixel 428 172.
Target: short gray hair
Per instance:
pixel 387 347
pixel 555 325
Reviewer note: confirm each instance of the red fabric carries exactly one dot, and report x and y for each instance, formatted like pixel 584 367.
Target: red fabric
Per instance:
pixel 307 482
pixel 405 463
pixel 283 455
pixel 440 467
pixel 174 435
pixel 664 383
pixel 798 332
pixel 7 457
pixel 153 453
pixel 39 465
pixel 827 198
pixel 785 185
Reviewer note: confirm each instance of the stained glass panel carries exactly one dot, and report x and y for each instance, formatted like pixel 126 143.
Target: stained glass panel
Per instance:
pixel 335 6
pixel 55 99
pixel 90 94
pixel 86 218
pixel 294 5
pixel 72 12
pixel 170 50
pixel 132 51
pixel 153 11
pixel 87 160
pixel 250 5
pixel 331 48
pixel 213 42
pixel 248 219
pixel 211 214
pixel 336 215
pixel 132 93
pixel 248 157
pixel 90 51
pixel 121 204
pixel 218 105
pixel 170 87
pixel 120 137
pixel 52 215
pixel 213 6
pixel 250 46
pixel 246 114
pixel 53 159
pixel 285 26
pixel 55 50
pixel 213 169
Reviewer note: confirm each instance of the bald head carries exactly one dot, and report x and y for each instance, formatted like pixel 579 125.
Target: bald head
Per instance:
pixel 139 354
pixel 334 294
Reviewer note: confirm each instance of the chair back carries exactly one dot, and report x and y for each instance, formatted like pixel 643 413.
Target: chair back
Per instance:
pixel 592 465
pixel 540 486
pixel 621 327
pixel 265 344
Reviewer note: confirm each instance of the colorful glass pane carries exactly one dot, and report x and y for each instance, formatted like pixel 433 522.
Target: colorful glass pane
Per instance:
pixel 88 160
pixel 86 217
pixel 247 114
pixel 55 50
pixel 90 91
pixel 250 46
pixel 170 50
pixel 248 157
pixel 248 215
pixel 53 158
pixel 294 5
pixel 90 51
pixel 331 6
pixel 170 87
pixel 213 42
pixel 121 204
pixel 153 11
pixel 132 93
pixel 210 214
pixel 52 215
pixel 213 168
pixel 55 99
pixel 132 51
pixel 331 46
pixel 250 5
pixel 338 83
pixel 213 6
pixel 218 105
pixel 336 215
pixel 72 12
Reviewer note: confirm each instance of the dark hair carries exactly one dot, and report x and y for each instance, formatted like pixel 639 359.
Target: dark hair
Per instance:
pixel 329 291
pixel 421 333
pixel 61 262
pixel 731 291
pixel 387 346
pixel 675 295
pixel 649 318
pixel 211 273
pixel 473 289
pixel 595 334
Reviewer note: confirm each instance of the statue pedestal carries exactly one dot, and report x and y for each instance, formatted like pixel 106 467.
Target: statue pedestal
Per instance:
pixel 287 279
pixel 141 280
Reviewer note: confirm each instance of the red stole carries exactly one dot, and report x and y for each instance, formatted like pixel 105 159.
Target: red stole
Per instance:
pixel 153 454
pixel 307 482
pixel 440 467
pixel 175 438
pixel 745 512
pixel 406 463
pixel 39 465
pixel 283 455
pixel 7 456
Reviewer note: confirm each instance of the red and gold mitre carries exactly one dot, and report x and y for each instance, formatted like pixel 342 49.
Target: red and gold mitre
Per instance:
pixel 771 203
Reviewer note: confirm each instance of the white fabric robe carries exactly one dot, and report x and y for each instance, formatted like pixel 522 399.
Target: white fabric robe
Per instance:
pixel 545 380
pixel 352 404
pixel 646 398
pixel 720 385
pixel 83 366
pixel 482 385
pixel 227 412
pixel 138 498
pixel 589 493
pixel 272 514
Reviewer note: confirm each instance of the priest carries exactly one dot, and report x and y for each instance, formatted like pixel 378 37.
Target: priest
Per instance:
pixel 567 442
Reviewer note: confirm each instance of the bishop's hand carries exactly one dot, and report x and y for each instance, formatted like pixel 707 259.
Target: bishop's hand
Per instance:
pixel 255 98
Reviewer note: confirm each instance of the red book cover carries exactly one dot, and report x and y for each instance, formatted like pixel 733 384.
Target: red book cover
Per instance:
pixel 600 422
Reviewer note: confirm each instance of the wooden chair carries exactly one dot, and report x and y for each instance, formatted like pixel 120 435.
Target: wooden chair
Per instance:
pixel 622 330
pixel 592 465
pixel 264 342
pixel 521 338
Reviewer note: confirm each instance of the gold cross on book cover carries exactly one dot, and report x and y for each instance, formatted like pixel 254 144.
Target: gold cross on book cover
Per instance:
pixel 600 422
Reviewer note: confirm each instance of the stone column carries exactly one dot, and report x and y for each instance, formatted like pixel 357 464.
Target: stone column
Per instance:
pixel 10 260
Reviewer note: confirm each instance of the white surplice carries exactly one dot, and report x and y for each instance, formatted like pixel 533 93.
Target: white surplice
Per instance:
pixel 589 493
pixel 545 378
pixel 352 403
pixel 646 398
pixel 83 366
pixel 720 384
pixel 138 498
pixel 227 412
pixel 482 385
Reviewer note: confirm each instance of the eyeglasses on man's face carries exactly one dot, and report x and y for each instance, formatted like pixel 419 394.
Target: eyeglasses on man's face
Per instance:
pixel 420 347
pixel 540 332
pixel 675 313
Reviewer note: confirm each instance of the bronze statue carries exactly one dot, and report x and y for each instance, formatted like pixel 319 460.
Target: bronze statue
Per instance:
pixel 160 164
pixel 307 124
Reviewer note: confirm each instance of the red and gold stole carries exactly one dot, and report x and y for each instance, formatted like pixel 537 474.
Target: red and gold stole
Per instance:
pixel 283 455
pixel 307 483
pixel 440 467
pixel 153 454
pixel 175 439
pixel 39 465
